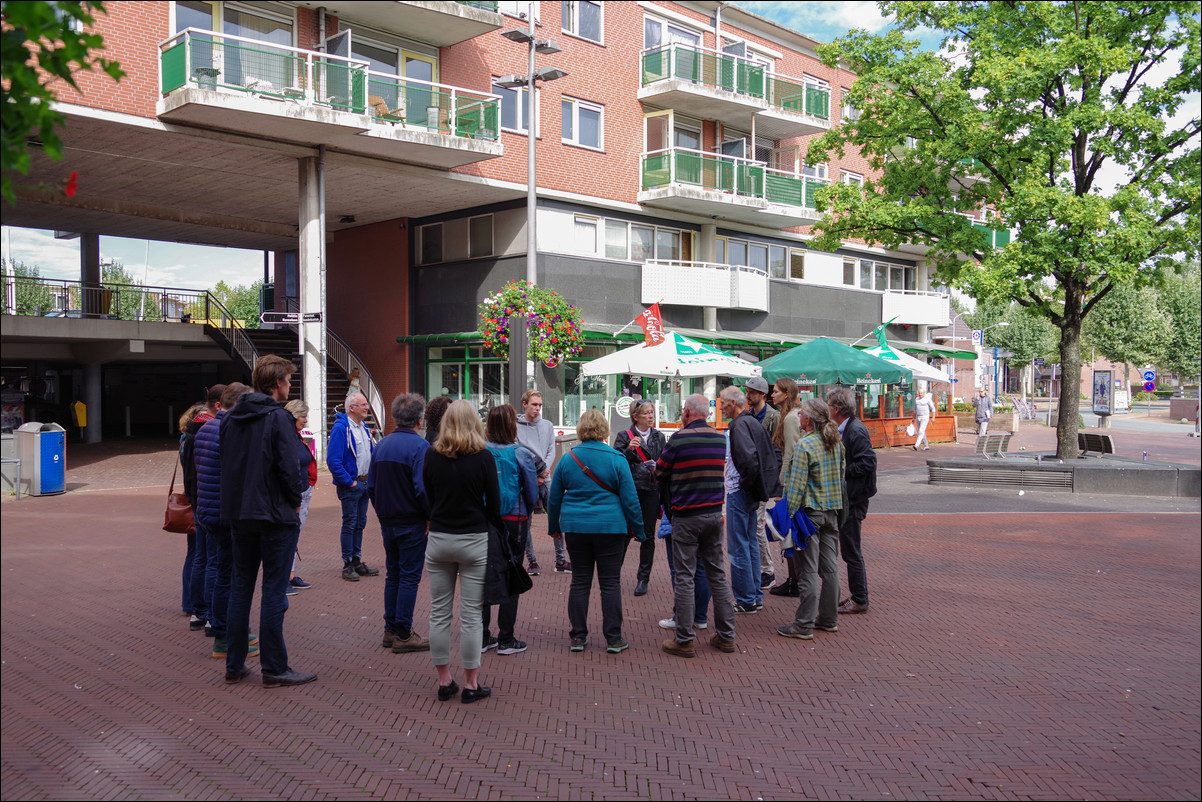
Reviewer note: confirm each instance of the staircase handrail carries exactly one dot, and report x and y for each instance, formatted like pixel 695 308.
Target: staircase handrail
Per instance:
pixel 346 358
pixel 232 330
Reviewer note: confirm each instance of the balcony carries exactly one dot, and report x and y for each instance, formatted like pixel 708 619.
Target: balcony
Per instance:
pixel 705 284
pixel 726 187
pixel 437 23
pixel 711 85
pixel 916 308
pixel 286 94
pixel 993 238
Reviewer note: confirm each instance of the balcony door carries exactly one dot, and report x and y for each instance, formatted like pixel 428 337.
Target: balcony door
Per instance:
pixel 418 103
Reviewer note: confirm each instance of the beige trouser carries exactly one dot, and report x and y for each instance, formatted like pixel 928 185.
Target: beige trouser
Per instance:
pixel 451 556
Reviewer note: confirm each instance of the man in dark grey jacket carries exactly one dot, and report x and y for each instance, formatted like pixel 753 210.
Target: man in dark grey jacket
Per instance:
pixel 752 476
pixel 261 487
pixel 861 485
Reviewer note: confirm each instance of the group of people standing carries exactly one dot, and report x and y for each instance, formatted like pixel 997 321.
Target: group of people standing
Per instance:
pixel 457 503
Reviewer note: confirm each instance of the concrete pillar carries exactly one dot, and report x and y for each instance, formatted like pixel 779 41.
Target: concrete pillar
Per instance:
pixel 708 247
pixel 93 393
pixel 89 275
pixel 311 273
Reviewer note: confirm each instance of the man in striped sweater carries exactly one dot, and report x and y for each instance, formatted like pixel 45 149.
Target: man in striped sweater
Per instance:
pixel 690 475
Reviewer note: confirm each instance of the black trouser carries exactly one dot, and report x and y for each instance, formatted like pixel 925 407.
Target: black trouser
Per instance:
pixel 507 615
pixel 849 544
pixel 649 501
pixel 602 552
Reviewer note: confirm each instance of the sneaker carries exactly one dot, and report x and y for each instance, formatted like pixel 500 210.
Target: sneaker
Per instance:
pixel 511 647
pixel 290 591
pixel 578 644
pixel 794 631
pixel 388 639
pixel 672 646
pixel 616 646
pixel 299 583
pixel 727 646
pixel 349 574
pixel 563 567
pixel 362 569
pixel 196 623
pixel 490 643
pixel 533 570
pixel 701 625
pixel 746 609
pixel 827 627
pixel 221 649
pixel 766 580
pixel 667 623
pixel 786 588
pixel 413 643
pixel 209 633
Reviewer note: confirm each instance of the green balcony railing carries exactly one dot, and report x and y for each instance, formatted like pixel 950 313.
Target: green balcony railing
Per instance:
pixel 394 100
pixel 487 5
pixel 701 65
pixel 729 174
pixel 992 237
pixel 793 95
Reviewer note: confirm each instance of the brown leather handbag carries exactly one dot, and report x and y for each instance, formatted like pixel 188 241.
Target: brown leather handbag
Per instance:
pixel 178 518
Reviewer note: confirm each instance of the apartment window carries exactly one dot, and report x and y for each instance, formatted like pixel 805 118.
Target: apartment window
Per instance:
pixel 736 250
pixel 667 245
pixel 517 8
pixel 854 179
pixel 583 19
pixel 514 108
pixel 849 272
pixel 757 256
pixel 865 274
pixel 586 234
pixel 658 32
pixel 797 264
pixel 642 243
pixel 815 171
pixel 480 236
pixel 776 261
pixel 846 110
pixel 431 244
pixel 583 123
pixel 616 239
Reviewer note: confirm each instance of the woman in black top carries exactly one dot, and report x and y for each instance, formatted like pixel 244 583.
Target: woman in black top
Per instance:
pixel 642 444
pixel 460 478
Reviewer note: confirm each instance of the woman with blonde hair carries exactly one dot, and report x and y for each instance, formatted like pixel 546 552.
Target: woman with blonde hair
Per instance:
pixel 784 395
pixel 460 477
pixel 594 503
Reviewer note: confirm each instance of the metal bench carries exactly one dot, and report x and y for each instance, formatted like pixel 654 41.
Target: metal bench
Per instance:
pixel 993 444
pixel 1093 441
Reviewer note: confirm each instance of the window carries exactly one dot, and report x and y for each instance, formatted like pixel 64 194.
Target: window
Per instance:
pixel 667 245
pixel 736 252
pixel 517 8
pixel 865 274
pixel 776 261
pixel 757 256
pixel 582 123
pixel 846 110
pixel 642 243
pixel 851 178
pixel 582 18
pixel 797 264
pixel 431 244
pixel 616 237
pixel 816 171
pixel 849 272
pixel 870 274
pixel 657 32
pixel 514 107
pixel 586 234
pixel 479 236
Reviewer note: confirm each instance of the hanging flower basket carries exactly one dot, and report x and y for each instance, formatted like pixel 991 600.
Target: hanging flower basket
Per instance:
pixel 555 327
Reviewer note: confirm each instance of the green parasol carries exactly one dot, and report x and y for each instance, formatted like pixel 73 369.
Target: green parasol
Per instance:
pixel 825 361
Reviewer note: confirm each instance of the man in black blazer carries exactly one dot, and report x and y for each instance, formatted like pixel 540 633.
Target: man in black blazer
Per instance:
pixel 861 486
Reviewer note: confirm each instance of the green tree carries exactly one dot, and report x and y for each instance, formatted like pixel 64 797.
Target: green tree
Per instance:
pixel 1031 110
pixel 1181 301
pixel 1128 326
pixel 242 302
pixel 42 44
pixel 32 295
pixel 1026 337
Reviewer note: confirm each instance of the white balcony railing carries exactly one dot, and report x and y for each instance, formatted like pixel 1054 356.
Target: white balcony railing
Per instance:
pixel 916 307
pixel 705 284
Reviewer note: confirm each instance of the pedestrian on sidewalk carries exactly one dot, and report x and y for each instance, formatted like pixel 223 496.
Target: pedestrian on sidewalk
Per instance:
pixel 641 445
pixel 860 474
pixel 348 456
pixel 924 413
pixel 982 411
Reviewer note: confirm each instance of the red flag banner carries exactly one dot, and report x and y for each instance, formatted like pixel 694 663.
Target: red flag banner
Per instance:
pixel 653 326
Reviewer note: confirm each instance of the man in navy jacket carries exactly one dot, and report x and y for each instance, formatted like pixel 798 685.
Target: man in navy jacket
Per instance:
pixel 861 486
pixel 261 487
pixel 394 485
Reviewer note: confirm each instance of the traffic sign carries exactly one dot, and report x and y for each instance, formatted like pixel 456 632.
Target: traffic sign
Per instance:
pixel 286 318
pixel 1149 375
pixel 1039 361
pixel 978 336
pixel 311 317
pixel 1149 386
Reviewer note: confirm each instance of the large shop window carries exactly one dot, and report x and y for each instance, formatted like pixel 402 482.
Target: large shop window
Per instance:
pixel 472 373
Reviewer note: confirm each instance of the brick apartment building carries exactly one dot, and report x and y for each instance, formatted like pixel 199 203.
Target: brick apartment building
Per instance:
pixel 370 148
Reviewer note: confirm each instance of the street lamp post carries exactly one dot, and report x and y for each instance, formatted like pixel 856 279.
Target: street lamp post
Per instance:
pixel 517 361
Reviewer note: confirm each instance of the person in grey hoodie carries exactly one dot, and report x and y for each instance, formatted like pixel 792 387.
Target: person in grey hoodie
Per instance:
pixel 537 434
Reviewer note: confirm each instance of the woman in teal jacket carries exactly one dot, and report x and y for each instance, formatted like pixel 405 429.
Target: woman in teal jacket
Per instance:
pixel 597 510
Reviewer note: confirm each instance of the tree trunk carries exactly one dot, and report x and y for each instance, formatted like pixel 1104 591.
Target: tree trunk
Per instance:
pixel 1070 384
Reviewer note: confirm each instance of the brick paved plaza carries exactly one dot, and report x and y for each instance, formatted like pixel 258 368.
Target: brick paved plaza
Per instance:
pixel 1046 648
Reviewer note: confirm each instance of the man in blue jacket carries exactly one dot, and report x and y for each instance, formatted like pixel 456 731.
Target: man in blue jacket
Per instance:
pixel 394 485
pixel 261 487
pixel 348 457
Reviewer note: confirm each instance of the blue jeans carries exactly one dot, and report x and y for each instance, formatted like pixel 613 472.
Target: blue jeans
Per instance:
pixel 701 586
pixel 743 547
pixel 189 558
pixel 200 561
pixel 270 545
pixel 354 518
pixel 404 555
pixel 220 572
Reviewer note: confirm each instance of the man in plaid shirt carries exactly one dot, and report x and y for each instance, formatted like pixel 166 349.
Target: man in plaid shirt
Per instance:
pixel 815 484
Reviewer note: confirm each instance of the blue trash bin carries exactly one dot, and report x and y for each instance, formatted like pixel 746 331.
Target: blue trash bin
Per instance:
pixel 43 447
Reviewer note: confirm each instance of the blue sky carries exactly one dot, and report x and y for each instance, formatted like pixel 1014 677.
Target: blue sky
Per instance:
pixel 826 21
